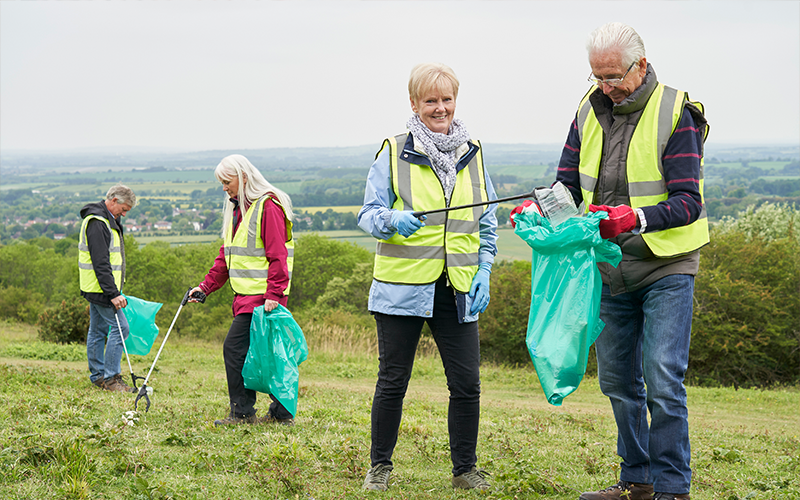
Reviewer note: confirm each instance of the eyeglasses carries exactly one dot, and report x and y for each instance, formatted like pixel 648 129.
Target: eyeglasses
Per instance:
pixel 611 82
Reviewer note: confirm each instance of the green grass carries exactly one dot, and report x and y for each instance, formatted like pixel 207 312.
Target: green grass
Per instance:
pixel 60 438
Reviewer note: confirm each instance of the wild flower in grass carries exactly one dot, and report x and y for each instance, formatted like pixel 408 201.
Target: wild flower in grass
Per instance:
pixel 130 418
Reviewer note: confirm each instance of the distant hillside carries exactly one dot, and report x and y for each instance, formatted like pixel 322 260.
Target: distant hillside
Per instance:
pixel 288 159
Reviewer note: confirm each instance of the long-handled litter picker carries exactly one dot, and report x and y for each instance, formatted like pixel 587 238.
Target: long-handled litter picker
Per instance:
pixel 133 377
pixel 532 194
pixel 201 297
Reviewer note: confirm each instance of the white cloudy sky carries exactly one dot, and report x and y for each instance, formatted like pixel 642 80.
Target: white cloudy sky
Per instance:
pixel 242 74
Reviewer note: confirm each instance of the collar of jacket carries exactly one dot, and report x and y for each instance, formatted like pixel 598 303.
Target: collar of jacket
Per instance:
pixel 101 210
pixel 418 158
pixel 634 102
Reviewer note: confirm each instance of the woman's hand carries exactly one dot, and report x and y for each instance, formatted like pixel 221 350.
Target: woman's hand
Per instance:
pixel 405 223
pixel 270 305
pixel 195 289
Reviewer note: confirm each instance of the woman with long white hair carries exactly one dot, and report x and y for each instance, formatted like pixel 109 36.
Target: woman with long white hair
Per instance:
pixel 256 258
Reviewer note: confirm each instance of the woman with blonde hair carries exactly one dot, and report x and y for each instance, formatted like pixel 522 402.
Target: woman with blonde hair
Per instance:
pixel 256 258
pixel 435 270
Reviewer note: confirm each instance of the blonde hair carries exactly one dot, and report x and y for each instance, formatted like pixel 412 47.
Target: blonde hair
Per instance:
pixel 428 76
pixel 239 167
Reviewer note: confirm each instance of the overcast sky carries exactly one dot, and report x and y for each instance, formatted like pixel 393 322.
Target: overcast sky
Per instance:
pixel 241 74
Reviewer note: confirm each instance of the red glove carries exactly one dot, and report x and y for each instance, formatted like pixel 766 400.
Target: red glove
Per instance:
pixel 519 209
pixel 621 219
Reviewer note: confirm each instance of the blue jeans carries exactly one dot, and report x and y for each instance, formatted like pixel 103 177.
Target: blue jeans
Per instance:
pixel 102 324
pixel 646 341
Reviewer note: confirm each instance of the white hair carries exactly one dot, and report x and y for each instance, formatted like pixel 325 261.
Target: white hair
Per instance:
pixel 256 186
pixel 123 194
pixel 617 36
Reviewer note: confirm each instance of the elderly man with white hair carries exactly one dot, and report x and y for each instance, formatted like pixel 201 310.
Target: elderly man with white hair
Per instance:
pixel 635 151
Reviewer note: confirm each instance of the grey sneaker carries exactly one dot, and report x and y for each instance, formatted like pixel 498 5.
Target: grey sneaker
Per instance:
pixel 232 420
pixel 378 478
pixel 116 384
pixel 475 478
pixel 623 490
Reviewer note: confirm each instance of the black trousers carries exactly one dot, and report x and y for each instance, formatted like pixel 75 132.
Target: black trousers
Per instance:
pixel 459 348
pixel 234 351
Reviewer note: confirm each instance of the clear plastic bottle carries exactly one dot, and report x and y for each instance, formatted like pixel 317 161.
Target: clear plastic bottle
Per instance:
pixel 556 204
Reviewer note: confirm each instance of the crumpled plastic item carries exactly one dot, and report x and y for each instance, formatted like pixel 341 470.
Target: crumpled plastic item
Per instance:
pixel 566 286
pixel 141 316
pixel 277 347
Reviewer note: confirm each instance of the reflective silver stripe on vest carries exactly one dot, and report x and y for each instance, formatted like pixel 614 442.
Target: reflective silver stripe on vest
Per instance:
pixel 583 114
pixel 409 252
pixel 247 273
pixel 665 124
pixel 404 175
pixel 435 219
pixel 462 226
pixel 647 188
pixel 588 183
pixel 462 259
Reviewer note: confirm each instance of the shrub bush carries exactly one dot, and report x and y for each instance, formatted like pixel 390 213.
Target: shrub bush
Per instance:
pixel 317 261
pixel 20 304
pixel 66 323
pixel 505 323
pixel 746 322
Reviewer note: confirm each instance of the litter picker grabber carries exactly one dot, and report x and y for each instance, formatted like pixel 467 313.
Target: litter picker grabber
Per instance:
pixel 532 194
pixel 201 297
pixel 133 377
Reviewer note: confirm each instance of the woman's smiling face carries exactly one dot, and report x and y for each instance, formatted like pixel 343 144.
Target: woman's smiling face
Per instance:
pixel 436 108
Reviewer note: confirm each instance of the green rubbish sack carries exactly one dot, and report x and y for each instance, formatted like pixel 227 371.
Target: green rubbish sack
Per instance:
pixel 141 316
pixel 277 347
pixel 566 286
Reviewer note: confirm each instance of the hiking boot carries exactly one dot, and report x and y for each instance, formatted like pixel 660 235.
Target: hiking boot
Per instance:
pixel 671 496
pixel 378 478
pixel 232 420
pixel 269 419
pixel 99 383
pixel 623 490
pixel 475 478
pixel 116 384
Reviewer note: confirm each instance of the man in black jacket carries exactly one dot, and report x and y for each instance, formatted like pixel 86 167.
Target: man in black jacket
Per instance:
pixel 101 265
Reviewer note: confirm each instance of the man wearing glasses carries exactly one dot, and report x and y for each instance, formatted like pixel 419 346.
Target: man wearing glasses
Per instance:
pixel 635 151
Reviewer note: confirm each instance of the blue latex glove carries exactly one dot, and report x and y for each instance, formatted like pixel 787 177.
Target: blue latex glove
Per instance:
pixel 479 291
pixel 405 223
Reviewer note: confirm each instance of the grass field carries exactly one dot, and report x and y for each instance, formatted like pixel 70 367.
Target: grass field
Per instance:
pixel 63 439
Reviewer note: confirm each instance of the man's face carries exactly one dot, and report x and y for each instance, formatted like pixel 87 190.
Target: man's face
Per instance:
pixel 118 209
pixel 608 64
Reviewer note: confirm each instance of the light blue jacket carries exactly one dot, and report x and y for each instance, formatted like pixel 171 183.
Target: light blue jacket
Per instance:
pixel 375 218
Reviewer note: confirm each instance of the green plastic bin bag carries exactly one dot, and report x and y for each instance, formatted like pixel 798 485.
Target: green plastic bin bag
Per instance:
pixel 565 296
pixel 141 316
pixel 277 347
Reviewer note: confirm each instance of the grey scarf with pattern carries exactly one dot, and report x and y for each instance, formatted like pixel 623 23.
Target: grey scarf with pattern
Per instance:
pixel 441 149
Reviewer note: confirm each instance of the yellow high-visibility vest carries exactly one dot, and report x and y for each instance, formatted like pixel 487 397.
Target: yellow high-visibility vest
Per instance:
pixel 449 241
pixel 245 256
pixel 88 279
pixel 646 185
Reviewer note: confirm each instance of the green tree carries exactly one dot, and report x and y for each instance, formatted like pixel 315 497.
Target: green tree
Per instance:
pixel 504 325
pixel 317 261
